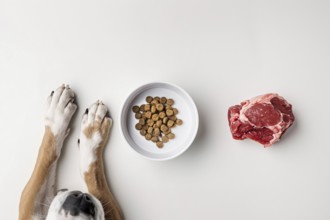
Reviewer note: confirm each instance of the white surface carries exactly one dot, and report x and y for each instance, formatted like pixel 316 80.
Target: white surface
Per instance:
pixel 184 134
pixel 220 52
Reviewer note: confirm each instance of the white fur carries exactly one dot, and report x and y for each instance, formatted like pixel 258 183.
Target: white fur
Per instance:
pixel 87 148
pixel 87 151
pixel 56 211
pixel 59 111
pixel 96 114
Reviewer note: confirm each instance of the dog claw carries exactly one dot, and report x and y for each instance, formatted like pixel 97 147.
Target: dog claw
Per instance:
pixel 67 132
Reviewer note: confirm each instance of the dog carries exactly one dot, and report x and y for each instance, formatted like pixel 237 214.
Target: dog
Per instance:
pixel 39 199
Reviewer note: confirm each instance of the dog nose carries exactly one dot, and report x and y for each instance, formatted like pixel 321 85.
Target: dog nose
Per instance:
pixel 78 202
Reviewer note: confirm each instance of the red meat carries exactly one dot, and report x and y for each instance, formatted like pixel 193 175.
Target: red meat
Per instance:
pixel 264 119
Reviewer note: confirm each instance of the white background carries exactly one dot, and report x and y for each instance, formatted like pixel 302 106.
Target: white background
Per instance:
pixel 220 52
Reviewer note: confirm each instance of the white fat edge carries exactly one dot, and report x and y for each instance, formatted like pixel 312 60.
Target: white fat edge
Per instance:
pixel 280 128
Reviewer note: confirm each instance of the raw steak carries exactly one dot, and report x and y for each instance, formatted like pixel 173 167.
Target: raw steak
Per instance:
pixel 264 119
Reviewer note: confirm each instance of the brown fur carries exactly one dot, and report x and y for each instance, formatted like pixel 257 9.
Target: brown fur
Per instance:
pixel 98 186
pixel 46 158
pixel 95 177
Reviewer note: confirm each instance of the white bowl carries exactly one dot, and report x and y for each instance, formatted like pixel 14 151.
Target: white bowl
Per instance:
pixel 184 134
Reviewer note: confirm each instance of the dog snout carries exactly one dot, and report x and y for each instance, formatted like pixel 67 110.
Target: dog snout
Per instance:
pixel 78 203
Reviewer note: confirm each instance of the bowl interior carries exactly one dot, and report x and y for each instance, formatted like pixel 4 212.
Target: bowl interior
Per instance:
pixel 184 134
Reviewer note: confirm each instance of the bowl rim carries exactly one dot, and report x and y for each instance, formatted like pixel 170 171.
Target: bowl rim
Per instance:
pixel 131 95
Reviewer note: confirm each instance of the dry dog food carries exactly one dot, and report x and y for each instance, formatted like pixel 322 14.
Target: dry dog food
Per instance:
pixel 156 119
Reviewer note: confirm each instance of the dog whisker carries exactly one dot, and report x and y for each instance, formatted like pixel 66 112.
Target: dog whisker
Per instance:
pixel 108 212
pixel 40 216
pixel 44 204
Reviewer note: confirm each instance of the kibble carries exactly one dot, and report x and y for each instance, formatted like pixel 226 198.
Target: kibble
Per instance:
pixel 147 107
pixel 163 128
pixel 150 122
pixel 163 100
pixel 138 115
pixel 142 107
pixel 149 99
pixel 169 112
pixel 143 132
pixel 138 126
pixel 170 123
pixel 164 139
pixel 156 132
pixel 154 139
pixel 168 131
pixel 153 109
pixel 162 114
pixel 170 101
pixel 142 121
pixel 159 123
pixel 178 122
pixel 173 118
pixel 159 107
pixel 171 136
pixel 148 114
pixel 156 118
pixel 150 130
pixel 136 109
pixel 148 137
pixel 160 144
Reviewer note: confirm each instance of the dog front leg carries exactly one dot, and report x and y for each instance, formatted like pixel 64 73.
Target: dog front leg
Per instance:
pixel 40 189
pixel 95 129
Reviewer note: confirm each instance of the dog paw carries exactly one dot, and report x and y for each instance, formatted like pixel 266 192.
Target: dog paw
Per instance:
pixel 60 108
pixel 95 128
pixel 95 125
